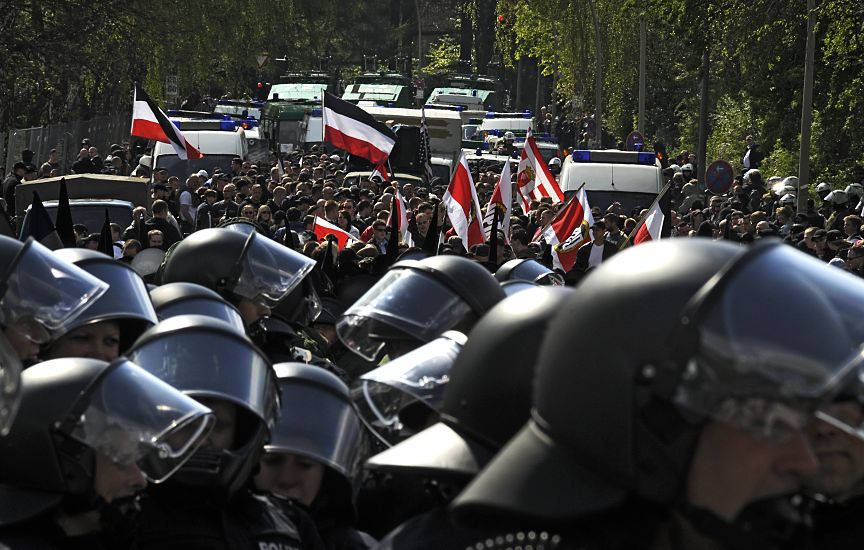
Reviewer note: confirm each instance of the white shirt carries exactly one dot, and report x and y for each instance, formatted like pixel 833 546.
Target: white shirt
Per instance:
pixel 596 257
pixel 746 161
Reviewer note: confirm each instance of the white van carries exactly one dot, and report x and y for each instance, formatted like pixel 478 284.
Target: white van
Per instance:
pixel 628 177
pixel 518 125
pixel 219 146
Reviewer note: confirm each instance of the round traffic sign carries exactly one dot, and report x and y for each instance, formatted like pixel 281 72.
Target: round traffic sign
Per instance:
pixel 718 177
pixel 635 142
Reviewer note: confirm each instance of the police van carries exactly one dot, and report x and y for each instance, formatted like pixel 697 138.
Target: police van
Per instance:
pixel 219 141
pixel 630 178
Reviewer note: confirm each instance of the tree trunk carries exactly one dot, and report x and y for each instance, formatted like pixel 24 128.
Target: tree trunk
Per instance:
pixel 485 41
pixel 466 37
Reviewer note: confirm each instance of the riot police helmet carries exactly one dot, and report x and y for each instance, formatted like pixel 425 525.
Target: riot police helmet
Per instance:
pixel 712 339
pixel 211 361
pixel 318 421
pixel 39 293
pixel 79 416
pixel 488 397
pixel 416 301
pixel 528 270
pixel 173 299
pixel 237 263
pixel 823 189
pixel 126 302
pixel 837 197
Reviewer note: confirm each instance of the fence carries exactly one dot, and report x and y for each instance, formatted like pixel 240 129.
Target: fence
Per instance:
pixel 66 138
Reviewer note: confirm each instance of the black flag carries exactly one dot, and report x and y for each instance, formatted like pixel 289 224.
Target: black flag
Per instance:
pixel 106 244
pixel 430 244
pixel 393 243
pixel 64 223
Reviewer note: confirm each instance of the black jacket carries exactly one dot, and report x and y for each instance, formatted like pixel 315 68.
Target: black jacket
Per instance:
pixel 9 184
pixel 584 254
pixel 169 232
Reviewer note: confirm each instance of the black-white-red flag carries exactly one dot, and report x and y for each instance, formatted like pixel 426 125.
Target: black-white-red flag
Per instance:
pixel 150 122
pixel 352 129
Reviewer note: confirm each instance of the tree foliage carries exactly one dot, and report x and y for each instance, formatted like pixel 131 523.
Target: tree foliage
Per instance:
pixel 757 60
pixel 67 59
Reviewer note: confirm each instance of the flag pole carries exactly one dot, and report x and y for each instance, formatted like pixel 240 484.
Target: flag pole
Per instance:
pixel 493 236
pixel 626 242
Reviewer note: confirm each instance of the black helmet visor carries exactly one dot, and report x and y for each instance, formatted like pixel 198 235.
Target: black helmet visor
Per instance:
pixel 269 271
pixel 408 300
pixel 134 418
pixel 126 298
pixel 41 286
pixel 319 425
pixel 416 377
pixel 779 336
pixel 209 364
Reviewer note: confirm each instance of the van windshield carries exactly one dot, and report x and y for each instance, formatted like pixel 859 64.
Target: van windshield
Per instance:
pixel 182 168
pixel 629 201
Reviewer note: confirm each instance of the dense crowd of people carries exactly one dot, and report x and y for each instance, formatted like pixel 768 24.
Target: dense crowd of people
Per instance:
pixel 258 384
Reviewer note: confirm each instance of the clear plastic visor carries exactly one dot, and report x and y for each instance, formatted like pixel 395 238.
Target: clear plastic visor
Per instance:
pixel 317 424
pixel 269 270
pixel 126 298
pixel 779 337
pixel 409 301
pixel 47 289
pixel 134 418
pixel 208 364
pixel 420 377
pixel 534 271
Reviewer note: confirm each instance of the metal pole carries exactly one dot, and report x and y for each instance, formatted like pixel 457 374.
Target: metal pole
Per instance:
pixel 807 109
pixel 537 101
pixel 419 36
pixel 642 72
pixel 702 154
pixel 598 80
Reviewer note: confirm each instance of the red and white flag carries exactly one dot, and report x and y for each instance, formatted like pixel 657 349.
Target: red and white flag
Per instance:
pixel 150 122
pixel 399 209
pixel 533 179
pixel 322 228
pixel 502 198
pixel 651 227
pixel 463 206
pixel 570 229
pixel 380 171
pixel 349 127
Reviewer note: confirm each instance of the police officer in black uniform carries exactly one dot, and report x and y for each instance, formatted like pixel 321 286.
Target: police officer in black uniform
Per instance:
pixel 661 439
pixel 89 436
pixel 114 321
pixel 415 302
pixel 486 402
pixel 208 504
pixel 39 294
pixel 313 455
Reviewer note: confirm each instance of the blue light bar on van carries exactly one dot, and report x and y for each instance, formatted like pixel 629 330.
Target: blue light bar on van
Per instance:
pixel 227 125
pixel 527 114
pixel 618 157
pixel 316 111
